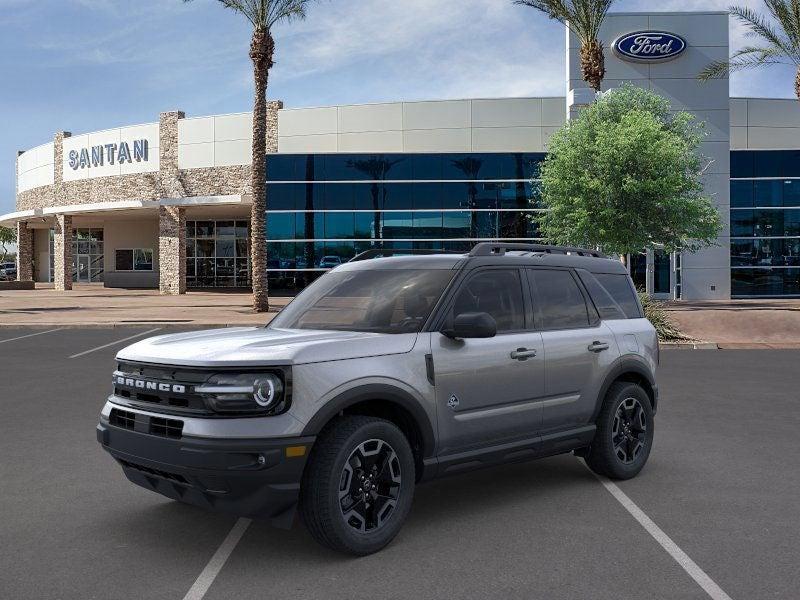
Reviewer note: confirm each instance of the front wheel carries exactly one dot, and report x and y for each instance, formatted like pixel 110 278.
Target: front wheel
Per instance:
pixel 624 435
pixel 358 486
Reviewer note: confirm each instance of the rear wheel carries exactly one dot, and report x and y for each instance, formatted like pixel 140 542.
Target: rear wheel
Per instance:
pixel 358 486
pixel 624 435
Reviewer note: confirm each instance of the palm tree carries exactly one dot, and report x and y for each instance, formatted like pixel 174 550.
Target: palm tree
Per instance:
pixel 262 15
pixel 780 41
pixel 584 19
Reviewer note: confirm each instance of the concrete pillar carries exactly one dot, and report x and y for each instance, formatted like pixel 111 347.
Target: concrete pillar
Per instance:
pixel 24 252
pixel 171 250
pixel 62 253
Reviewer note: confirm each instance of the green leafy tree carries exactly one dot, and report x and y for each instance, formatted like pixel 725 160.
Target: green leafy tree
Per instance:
pixel 263 15
pixel 778 40
pixel 626 175
pixel 584 19
pixel 8 236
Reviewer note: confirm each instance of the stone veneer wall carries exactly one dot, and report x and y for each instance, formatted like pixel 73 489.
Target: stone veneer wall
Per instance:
pixel 62 250
pixel 24 252
pixel 171 250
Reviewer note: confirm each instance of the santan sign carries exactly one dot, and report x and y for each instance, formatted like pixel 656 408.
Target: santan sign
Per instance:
pixel 649 46
pixel 97 156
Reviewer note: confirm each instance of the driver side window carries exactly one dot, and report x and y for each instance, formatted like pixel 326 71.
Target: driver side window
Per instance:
pixel 497 292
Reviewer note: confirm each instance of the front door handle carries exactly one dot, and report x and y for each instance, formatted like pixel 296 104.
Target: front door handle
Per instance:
pixel 598 346
pixel 523 354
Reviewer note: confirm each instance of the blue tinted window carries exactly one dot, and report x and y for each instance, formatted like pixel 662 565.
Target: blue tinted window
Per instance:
pixel 396 196
pixel 742 222
pixel 455 195
pixel 281 167
pixel 366 196
pixel 339 225
pixel 456 224
pixel 309 225
pixel 465 166
pixel 426 195
pixel 280 226
pixel 765 282
pixel 427 224
pixel 768 193
pixel 791 192
pixel 282 196
pixel 768 163
pixel 742 164
pixel 741 194
pixel 398 225
pixel 426 166
pixel 367 226
pixel 339 196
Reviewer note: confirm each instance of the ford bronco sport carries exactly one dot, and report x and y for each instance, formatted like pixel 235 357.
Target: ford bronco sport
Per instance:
pixel 386 371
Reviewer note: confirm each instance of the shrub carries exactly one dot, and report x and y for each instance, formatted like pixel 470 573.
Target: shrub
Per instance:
pixel 665 327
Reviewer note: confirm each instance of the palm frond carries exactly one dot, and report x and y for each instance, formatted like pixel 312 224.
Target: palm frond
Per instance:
pixel 759 26
pixel 745 58
pixel 583 17
pixel 783 11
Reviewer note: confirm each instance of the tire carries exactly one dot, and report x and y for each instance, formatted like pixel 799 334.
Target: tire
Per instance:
pixel 352 521
pixel 625 429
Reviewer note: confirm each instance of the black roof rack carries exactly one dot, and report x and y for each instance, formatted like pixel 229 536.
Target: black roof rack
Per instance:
pixel 500 248
pixel 383 252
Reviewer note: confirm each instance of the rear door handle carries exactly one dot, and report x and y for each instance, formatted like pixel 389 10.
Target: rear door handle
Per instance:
pixel 598 346
pixel 523 354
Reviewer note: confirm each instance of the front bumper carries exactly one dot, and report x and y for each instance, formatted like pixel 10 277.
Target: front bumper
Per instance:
pixel 250 478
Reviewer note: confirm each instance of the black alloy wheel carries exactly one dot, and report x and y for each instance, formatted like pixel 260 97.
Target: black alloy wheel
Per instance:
pixel 629 432
pixel 370 485
pixel 624 435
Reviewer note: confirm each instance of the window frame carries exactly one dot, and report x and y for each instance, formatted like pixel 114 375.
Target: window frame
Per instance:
pixel 133 261
pixel 439 314
pixel 593 317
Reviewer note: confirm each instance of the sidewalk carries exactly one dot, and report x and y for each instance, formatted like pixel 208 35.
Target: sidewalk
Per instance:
pixel 740 323
pixel 90 305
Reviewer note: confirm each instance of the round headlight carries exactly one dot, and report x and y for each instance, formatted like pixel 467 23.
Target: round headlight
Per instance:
pixel 267 391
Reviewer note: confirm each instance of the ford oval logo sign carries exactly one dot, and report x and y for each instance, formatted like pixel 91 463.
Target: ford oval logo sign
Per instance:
pixel 649 46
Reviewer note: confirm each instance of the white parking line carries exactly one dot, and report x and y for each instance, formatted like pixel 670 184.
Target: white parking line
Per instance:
pixel 22 337
pixel 114 343
pixel 214 566
pixel 687 564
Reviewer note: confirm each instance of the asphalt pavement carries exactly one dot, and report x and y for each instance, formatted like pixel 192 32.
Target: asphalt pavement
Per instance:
pixel 722 484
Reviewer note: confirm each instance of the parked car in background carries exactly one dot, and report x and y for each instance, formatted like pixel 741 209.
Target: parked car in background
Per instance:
pixel 8 271
pixel 328 262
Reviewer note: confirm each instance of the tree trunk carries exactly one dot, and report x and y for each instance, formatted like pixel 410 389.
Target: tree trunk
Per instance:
pixel 262 48
pixel 593 64
pixel 797 84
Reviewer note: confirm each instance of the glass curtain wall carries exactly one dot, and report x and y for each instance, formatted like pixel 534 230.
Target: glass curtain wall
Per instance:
pixel 323 209
pixel 765 223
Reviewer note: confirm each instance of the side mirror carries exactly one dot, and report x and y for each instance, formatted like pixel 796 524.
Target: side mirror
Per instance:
pixel 472 325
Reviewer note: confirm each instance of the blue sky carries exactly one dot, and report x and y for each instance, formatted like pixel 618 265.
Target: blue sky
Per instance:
pixel 84 65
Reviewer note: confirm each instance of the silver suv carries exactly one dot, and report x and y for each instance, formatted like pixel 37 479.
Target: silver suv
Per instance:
pixel 387 371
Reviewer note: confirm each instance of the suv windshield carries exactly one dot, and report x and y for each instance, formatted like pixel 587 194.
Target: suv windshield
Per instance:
pixel 381 301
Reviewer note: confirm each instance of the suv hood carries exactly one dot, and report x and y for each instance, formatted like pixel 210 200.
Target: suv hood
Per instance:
pixel 259 346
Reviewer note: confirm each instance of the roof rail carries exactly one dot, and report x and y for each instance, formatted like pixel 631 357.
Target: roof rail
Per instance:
pixel 384 252
pixel 500 248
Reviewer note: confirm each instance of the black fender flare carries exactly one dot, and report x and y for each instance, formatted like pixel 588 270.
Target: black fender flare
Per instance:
pixel 623 366
pixel 376 391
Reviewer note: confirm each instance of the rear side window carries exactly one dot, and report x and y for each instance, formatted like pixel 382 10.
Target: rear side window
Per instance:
pixel 558 300
pixel 605 304
pixel 618 285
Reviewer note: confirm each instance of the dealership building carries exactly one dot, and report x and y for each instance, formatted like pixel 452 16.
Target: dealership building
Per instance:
pixel 167 204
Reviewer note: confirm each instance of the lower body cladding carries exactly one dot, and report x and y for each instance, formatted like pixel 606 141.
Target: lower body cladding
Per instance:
pixel 256 478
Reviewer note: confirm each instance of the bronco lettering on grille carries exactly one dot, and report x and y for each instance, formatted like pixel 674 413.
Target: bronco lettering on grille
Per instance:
pixel 155 386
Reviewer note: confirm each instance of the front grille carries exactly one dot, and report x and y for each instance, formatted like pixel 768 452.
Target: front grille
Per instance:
pixel 157 472
pixel 122 418
pixel 171 428
pixel 156 386
pixel 162 427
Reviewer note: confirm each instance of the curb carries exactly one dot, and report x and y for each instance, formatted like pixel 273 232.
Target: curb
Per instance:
pixel 689 345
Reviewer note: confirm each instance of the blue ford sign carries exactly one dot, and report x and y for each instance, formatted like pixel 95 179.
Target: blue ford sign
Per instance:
pixel 649 46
